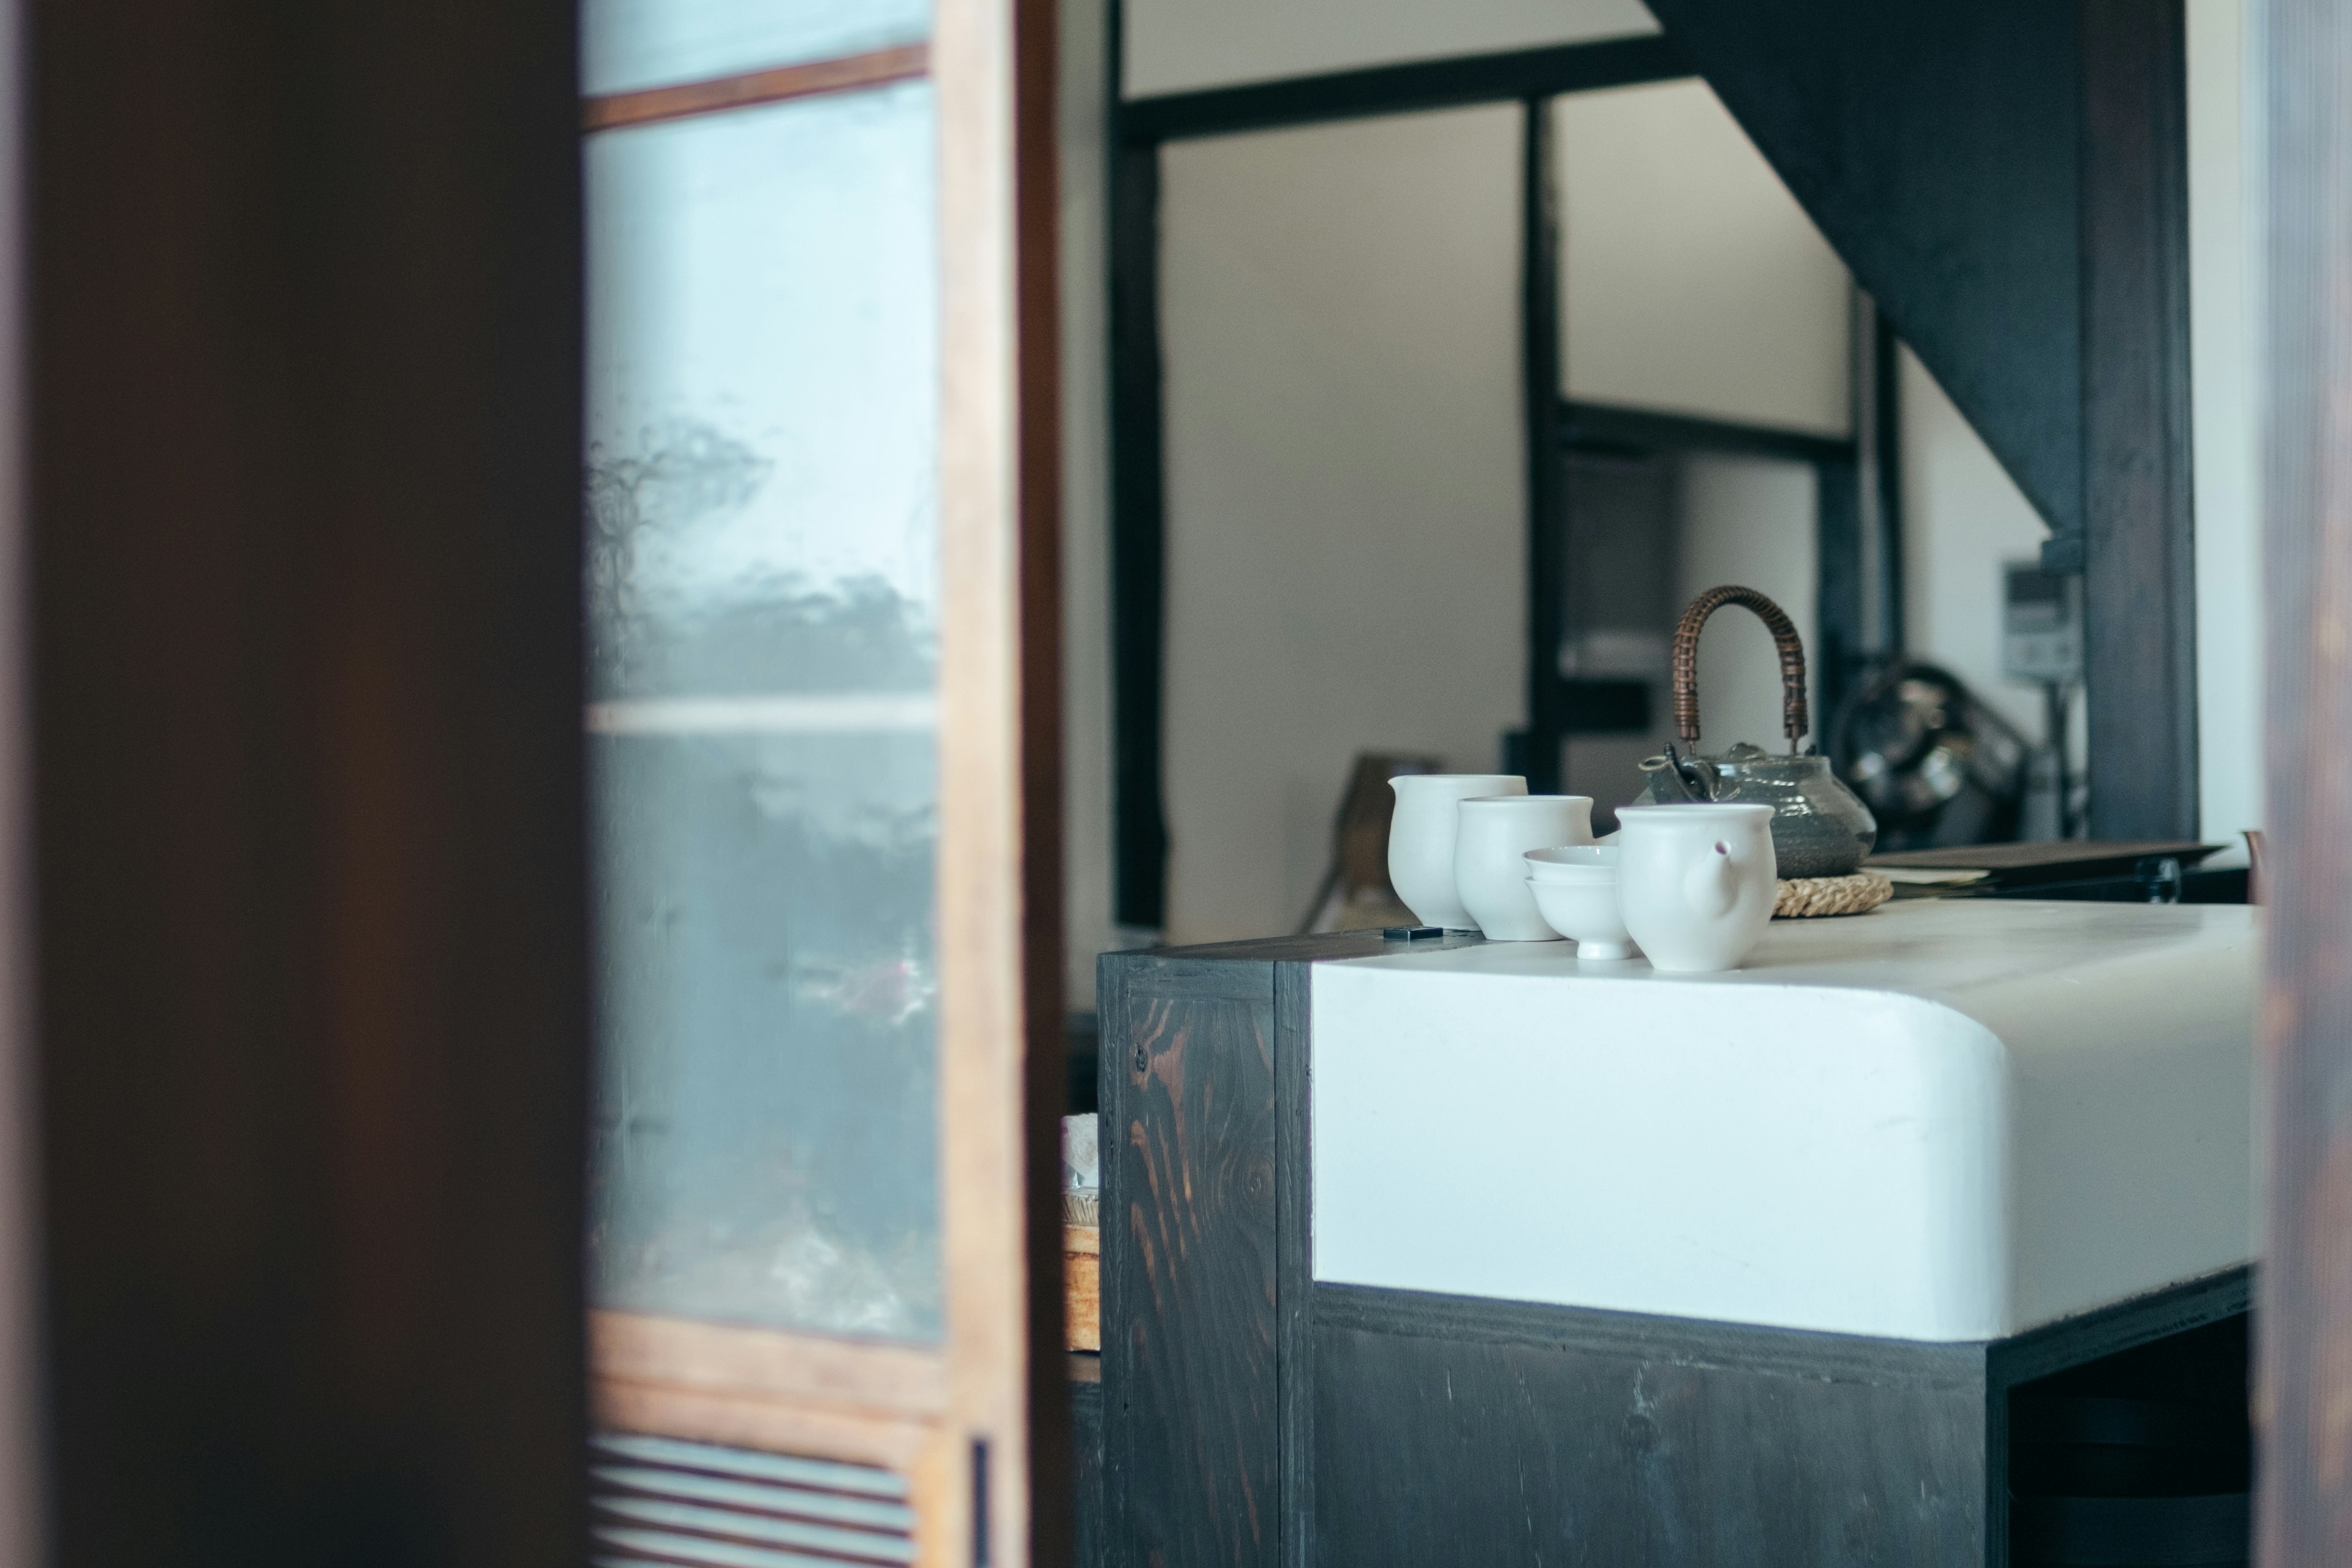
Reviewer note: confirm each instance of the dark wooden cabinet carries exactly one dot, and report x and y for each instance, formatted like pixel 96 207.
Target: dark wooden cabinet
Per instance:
pixel 1252 1416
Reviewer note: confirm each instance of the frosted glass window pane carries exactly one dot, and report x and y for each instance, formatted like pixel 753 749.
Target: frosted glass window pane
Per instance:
pixel 630 44
pixel 763 593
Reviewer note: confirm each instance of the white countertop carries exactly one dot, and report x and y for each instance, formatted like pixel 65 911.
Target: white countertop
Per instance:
pixel 1948 1120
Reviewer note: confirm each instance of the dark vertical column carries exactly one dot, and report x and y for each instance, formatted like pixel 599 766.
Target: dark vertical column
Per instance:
pixel 304 470
pixel 1037 103
pixel 23 1507
pixel 2140 589
pixel 1138 538
pixel 2305 1324
pixel 1838 656
pixel 1887 478
pixel 1547 472
pixel 1294 1260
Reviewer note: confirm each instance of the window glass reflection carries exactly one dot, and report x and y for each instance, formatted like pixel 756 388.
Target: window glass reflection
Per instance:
pixel 763 588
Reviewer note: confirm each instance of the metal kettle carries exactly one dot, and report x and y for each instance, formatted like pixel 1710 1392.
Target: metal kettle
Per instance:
pixel 1820 827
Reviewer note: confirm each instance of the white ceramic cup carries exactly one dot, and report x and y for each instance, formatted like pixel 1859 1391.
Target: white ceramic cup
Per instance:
pixel 1696 882
pixel 1490 868
pixel 1421 840
pixel 1575 889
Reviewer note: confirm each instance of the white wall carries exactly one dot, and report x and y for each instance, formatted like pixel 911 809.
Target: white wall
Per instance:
pixel 1175 45
pixel 1691 280
pixel 2221 360
pixel 1749 521
pixel 1345 506
pixel 1963 517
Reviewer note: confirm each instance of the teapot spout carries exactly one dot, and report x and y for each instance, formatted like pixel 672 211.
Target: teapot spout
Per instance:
pixel 1665 780
pixel 1700 777
pixel 1712 884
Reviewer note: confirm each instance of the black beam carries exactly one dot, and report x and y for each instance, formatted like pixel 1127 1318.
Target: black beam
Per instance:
pixel 1396 89
pixel 1934 147
pixel 2139 561
pixel 1137 542
pixel 1605 425
pixel 1887 475
pixel 1840 650
pixel 1547 472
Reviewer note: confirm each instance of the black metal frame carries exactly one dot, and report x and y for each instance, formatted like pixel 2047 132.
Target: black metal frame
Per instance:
pixel 1547 693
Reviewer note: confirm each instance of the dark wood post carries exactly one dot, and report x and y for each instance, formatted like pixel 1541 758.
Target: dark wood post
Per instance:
pixel 2304 1333
pixel 304 476
pixel 2138 549
pixel 1547 469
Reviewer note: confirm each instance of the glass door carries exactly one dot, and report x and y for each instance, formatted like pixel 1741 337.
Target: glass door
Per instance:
pixel 807 547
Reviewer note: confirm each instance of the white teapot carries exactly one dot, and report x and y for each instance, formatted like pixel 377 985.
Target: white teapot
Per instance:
pixel 1697 882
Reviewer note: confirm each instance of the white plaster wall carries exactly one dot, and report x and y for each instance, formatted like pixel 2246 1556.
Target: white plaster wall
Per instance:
pixel 1086 504
pixel 2228 575
pixel 1963 517
pixel 1175 45
pixel 1692 282
pixel 1345 506
pixel 1748 520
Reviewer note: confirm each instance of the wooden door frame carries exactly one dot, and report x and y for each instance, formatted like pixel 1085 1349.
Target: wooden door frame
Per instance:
pixel 980 1423
pixel 2303 1402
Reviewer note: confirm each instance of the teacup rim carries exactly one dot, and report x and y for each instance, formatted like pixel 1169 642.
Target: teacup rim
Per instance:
pixel 1602 855
pixel 1397 779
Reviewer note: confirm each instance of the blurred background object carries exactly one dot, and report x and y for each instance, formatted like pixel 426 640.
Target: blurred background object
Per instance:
pixel 1356 894
pixel 1934 765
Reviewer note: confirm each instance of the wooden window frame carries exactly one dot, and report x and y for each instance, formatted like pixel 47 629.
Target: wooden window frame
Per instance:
pixel 996 1378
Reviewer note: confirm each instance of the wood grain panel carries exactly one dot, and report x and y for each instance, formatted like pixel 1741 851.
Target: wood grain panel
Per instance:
pixel 2303 51
pixel 1294 1258
pixel 1459 1431
pixel 1086 1472
pixel 1192 1456
pixel 764 1363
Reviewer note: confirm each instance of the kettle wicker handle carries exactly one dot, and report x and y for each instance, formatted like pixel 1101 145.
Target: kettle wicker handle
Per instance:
pixel 1794 718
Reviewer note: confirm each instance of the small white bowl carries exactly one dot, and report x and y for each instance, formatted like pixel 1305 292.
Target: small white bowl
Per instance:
pixel 1575 890
pixel 1572 862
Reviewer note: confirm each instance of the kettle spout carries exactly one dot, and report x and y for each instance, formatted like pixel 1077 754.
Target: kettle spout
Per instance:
pixel 1712 884
pixel 1662 777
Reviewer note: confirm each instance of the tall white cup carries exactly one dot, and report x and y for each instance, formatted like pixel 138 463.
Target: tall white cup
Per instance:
pixel 1490 868
pixel 1421 840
